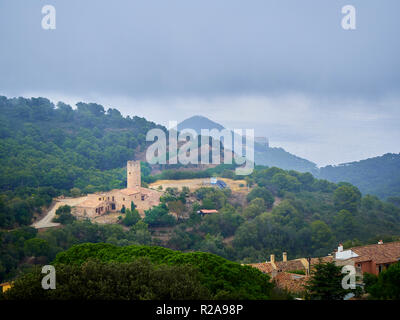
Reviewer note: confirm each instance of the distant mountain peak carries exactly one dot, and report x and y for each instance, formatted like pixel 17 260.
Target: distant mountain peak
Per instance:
pixel 198 117
pixel 199 122
pixel 264 155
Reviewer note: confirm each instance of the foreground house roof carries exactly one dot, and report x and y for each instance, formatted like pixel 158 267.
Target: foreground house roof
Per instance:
pixel 379 253
pixel 290 265
pixel 265 267
pixel 282 272
pixel 291 282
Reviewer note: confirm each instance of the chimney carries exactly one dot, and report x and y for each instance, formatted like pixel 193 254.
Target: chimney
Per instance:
pixel 284 257
pixel 272 258
pixel 340 248
pixel 380 242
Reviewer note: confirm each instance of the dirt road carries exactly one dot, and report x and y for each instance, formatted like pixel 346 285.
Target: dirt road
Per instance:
pixel 46 221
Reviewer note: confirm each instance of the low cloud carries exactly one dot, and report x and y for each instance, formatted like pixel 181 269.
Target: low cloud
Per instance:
pixel 325 132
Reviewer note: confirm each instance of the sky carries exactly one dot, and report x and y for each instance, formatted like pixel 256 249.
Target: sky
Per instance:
pixel 286 68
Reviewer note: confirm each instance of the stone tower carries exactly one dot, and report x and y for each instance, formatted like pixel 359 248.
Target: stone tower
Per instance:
pixel 133 175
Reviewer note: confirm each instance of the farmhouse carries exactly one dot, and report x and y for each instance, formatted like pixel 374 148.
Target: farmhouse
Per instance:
pixel 116 200
pixel 373 258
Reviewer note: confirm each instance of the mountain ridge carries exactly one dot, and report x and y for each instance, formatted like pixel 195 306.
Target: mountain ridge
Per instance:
pixel 263 155
pixel 379 175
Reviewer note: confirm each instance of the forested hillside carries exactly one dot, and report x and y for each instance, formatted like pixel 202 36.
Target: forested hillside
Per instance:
pixel 379 176
pixel 286 211
pixel 49 150
pixel 46 150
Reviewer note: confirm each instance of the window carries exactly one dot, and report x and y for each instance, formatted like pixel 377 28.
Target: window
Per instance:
pixel 380 268
pixel 99 199
pixel 142 197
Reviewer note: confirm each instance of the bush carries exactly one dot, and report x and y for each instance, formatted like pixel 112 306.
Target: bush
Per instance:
pixel 63 215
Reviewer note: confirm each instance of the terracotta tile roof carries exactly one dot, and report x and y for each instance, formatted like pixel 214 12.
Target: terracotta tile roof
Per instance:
pixel 91 203
pixel 284 280
pixel 323 260
pixel 149 191
pixel 130 191
pixel 289 265
pixel 291 282
pixel 379 253
pixel 279 266
pixel 264 267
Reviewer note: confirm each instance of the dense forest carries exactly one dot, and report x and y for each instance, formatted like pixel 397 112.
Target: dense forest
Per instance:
pixel 284 211
pixel 47 150
pixel 379 176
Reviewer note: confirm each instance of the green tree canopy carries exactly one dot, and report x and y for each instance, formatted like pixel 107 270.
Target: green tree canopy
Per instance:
pixel 96 280
pixel 347 197
pixel 263 193
pixel 158 216
pixel 131 217
pixel 36 247
pixel 326 282
pixel 63 215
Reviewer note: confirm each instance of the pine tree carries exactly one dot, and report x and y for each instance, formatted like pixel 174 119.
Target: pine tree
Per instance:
pixel 131 218
pixel 326 282
pixel 133 206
